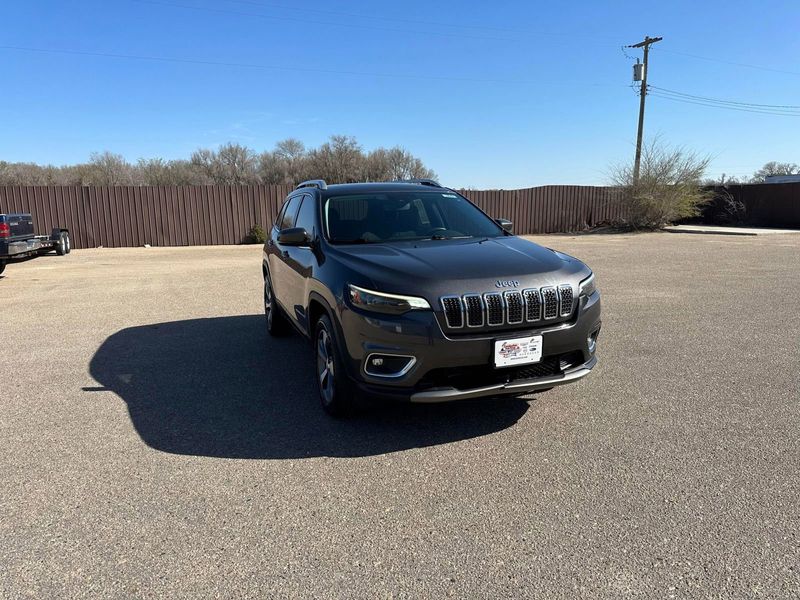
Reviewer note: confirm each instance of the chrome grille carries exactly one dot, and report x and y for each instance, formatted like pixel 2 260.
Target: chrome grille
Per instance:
pixel 494 308
pixel 511 307
pixel 533 305
pixel 474 309
pixel 514 308
pixel 453 311
pixel 550 302
pixel 566 297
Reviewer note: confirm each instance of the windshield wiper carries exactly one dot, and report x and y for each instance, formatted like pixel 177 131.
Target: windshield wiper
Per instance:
pixel 438 236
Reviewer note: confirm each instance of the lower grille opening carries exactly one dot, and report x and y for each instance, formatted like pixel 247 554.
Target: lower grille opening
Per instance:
pixel 464 378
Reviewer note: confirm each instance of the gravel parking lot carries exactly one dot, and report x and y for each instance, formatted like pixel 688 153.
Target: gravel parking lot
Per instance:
pixel 154 441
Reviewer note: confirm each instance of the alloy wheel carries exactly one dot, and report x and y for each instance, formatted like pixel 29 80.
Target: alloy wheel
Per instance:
pixel 268 303
pixel 325 366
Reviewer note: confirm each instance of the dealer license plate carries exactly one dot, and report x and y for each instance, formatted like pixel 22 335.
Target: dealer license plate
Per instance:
pixel 519 351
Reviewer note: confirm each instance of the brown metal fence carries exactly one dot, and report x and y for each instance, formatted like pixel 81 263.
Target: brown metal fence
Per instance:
pixel 205 215
pixel 759 204
pixel 551 208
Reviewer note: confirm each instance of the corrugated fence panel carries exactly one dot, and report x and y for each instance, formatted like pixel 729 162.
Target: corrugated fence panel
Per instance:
pixel 199 215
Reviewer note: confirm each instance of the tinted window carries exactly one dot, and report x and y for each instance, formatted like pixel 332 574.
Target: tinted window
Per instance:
pixel 305 217
pixel 387 216
pixel 280 215
pixel 287 220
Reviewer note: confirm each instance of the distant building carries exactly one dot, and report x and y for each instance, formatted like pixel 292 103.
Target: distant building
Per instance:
pixel 782 179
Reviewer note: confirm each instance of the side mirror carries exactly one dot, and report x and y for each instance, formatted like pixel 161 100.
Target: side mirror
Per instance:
pixel 505 224
pixel 294 236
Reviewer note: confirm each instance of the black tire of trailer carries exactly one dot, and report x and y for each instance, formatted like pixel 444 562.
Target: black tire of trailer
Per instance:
pixel 63 246
pixel 2 266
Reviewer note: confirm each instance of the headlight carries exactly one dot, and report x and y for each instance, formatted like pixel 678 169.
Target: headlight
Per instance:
pixel 392 304
pixel 588 287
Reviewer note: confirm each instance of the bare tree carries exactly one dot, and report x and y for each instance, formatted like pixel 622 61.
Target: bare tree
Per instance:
pixel 290 149
pixel 340 159
pixel 291 155
pixel 723 179
pixel 669 186
pixel 230 164
pixel 774 168
pixel 107 168
pixel 157 171
pixel 271 169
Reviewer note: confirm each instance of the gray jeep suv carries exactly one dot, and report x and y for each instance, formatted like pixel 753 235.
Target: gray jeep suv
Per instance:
pixel 408 291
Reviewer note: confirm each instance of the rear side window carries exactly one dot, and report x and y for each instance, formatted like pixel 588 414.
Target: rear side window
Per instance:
pixel 305 217
pixel 289 213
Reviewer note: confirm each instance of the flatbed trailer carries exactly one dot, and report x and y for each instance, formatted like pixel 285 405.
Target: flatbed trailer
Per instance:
pixel 19 242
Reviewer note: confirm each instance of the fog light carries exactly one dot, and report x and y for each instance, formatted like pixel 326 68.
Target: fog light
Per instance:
pixel 591 341
pixel 388 365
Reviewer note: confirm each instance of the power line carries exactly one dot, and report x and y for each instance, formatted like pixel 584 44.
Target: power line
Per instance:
pixel 326 23
pixel 374 18
pixel 724 106
pixel 746 104
pixel 730 62
pixel 420 21
pixel 522 32
pixel 215 63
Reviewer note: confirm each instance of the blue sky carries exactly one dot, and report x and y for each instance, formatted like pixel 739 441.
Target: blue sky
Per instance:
pixel 502 94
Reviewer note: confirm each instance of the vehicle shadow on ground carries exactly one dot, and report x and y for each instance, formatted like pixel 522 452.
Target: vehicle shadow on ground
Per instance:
pixel 222 387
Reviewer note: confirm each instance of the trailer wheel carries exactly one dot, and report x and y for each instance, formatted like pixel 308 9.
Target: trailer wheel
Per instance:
pixel 62 247
pixel 2 267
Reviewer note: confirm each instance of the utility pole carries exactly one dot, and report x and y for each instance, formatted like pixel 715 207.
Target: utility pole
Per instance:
pixel 645 45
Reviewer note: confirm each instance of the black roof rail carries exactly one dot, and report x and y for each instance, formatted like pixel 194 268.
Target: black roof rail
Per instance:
pixel 317 183
pixel 430 182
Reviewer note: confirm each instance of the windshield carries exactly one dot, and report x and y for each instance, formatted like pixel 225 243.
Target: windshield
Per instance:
pixel 396 216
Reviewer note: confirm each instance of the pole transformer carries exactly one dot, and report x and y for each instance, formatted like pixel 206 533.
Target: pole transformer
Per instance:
pixel 645 45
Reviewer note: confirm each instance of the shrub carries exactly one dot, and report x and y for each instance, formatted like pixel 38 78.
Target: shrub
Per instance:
pixel 256 235
pixel 734 212
pixel 668 189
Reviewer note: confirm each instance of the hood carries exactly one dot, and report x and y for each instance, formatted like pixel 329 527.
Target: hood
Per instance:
pixel 436 267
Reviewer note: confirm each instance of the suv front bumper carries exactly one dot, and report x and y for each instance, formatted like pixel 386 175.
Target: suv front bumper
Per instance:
pixel 468 358
pixel 501 389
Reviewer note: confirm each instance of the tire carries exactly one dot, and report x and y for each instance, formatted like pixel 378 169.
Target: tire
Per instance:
pixel 2 267
pixel 276 321
pixel 62 247
pixel 69 242
pixel 336 392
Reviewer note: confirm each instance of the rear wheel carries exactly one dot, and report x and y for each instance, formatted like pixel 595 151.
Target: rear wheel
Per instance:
pixel 276 322
pixel 2 267
pixel 336 392
pixel 63 245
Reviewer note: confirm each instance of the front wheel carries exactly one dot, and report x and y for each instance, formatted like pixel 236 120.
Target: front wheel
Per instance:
pixel 336 392
pixel 276 322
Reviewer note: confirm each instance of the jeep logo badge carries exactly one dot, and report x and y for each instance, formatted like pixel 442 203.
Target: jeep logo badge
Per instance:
pixel 504 283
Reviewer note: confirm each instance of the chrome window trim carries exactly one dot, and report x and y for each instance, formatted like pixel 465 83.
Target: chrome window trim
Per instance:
pixel 523 307
pixel 444 310
pixel 502 309
pixel 466 309
pixel 399 373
